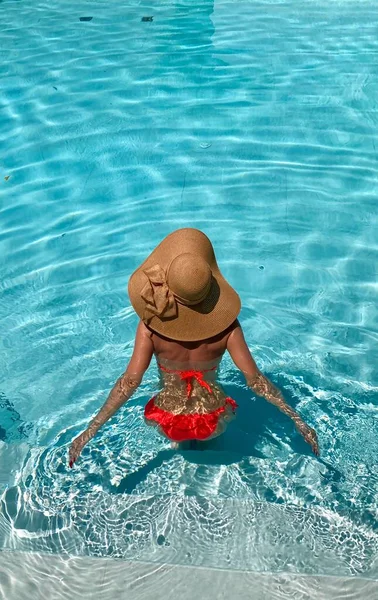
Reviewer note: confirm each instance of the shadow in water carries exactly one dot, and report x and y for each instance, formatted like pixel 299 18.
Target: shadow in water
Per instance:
pixel 258 424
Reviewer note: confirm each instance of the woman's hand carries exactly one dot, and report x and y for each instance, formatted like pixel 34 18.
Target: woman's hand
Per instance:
pixel 77 447
pixel 309 436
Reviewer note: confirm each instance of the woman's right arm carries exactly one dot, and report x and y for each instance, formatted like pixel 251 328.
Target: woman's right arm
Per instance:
pixel 121 392
pixel 240 354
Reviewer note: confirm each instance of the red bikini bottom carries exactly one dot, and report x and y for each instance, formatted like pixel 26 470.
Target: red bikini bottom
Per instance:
pixel 194 426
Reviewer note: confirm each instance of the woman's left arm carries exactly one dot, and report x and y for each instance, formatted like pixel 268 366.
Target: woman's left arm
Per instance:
pixel 123 389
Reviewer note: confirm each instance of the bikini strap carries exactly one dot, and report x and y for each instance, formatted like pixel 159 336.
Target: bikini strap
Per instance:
pixel 189 377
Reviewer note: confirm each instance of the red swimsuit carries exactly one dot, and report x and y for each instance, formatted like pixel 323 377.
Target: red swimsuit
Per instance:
pixel 193 425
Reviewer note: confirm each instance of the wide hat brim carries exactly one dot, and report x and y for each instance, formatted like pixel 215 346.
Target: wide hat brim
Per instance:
pixel 210 317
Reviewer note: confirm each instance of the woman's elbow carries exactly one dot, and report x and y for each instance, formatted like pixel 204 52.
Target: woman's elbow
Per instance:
pixel 130 382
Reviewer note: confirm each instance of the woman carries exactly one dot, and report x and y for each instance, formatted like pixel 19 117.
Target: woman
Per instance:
pixel 188 315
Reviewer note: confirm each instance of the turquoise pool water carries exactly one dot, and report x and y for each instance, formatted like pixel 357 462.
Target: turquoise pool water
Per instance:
pixel 256 122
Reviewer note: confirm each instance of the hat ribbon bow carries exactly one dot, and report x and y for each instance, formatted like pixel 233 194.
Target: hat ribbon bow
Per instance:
pixel 159 299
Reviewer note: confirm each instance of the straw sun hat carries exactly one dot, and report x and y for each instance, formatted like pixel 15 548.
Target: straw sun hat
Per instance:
pixel 179 292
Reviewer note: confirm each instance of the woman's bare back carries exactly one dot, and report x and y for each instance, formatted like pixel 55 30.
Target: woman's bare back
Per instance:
pixel 187 353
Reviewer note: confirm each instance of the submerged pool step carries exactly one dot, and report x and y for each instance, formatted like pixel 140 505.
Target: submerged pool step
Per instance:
pixel 38 576
pixel 211 532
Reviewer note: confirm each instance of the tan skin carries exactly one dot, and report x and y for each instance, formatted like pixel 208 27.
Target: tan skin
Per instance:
pixel 148 343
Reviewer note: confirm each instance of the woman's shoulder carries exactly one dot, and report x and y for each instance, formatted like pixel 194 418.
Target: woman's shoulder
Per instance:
pixel 230 329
